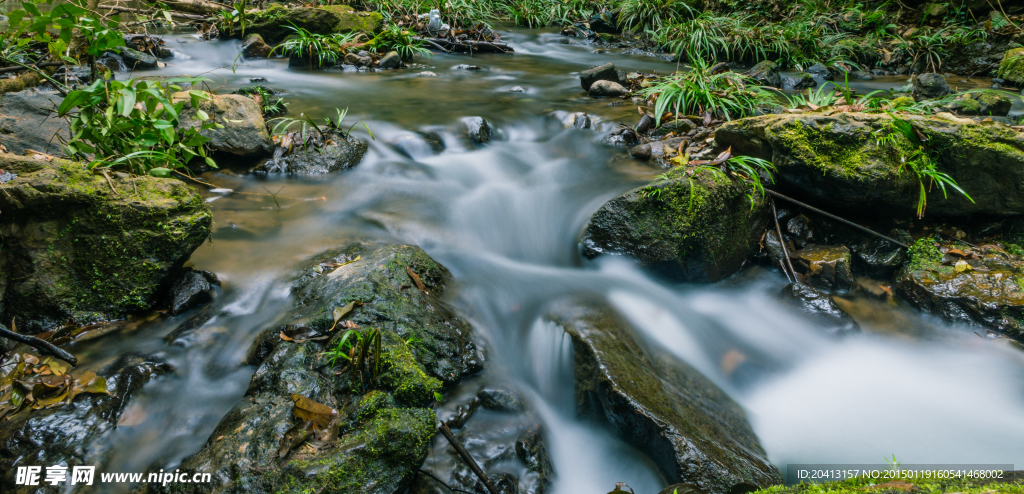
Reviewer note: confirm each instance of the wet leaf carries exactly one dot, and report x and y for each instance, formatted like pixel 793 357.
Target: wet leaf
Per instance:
pixel 721 158
pixel 416 279
pixel 285 337
pixel 319 414
pixel 295 436
pixel 956 252
pixel 339 312
pixel 962 266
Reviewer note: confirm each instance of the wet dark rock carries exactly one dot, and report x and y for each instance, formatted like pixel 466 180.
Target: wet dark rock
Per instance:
pixel 575 120
pixel 606 89
pixel 28 120
pixel 384 430
pixel 688 426
pixel 987 104
pixel 623 136
pixel 703 234
pixel 273 23
pixel 478 130
pixel 800 230
pixel 802 80
pixel 604 72
pixel 390 61
pixel 987 289
pixel 819 71
pixel 137 60
pixel 931 86
pixel 834 162
pixel 501 400
pixel 79 247
pixel 826 267
pixel 244 134
pixel 255 47
pixel 880 258
pixel 341 152
pixel 463 66
pixel 646 124
pixel 820 307
pixel 765 73
pixel 77 434
pixel 192 288
pixel 517 89
pixel 1012 66
pixel 680 126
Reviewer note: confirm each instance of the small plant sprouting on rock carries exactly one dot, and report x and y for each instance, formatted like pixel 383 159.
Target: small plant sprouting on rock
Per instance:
pixel 394 38
pixel 699 90
pixel 361 350
pixel 324 49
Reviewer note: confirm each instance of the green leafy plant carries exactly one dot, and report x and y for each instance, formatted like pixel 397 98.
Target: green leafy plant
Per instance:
pixel 361 350
pixel 696 91
pixel 824 95
pixel 284 124
pixel 270 105
pixel 648 14
pixel 394 38
pixel 746 168
pixel 57 26
pixel 323 49
pixel 135 125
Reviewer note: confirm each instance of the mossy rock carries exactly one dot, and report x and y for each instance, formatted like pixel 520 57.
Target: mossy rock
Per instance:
pixel 687 426
pixel 835 162
pixel 1012 66
pixel 699 228
pixel 274 23
pixel 80 247
pixel 990 292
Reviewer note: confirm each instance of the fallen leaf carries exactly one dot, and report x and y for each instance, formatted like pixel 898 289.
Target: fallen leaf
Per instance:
pixel 731 360
pixel 339 312
pixel 962 266
pixel 319 414
pixel 723 156
pixel 416 279
pixel 285 337
pixel 956 252
pixel 295 436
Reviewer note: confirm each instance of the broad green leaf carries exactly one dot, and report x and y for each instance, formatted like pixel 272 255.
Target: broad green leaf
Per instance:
pixel 160 172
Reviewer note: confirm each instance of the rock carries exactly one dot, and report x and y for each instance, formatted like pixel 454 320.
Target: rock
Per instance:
pixel 645 124
pixel 390 61
pixel 136 60
pixel 463 66
pixel 802 80
pixel 698 229
pixel 77 434
pixel 684 423
pixel 681 126
pixel 255 47
pixel 604 72
pixel 987 289
pixel 931 86
pixel 601 89
pixel 383 429
pixel 76 250
pixel 819 71
pixel 478 130
pixel 820 307
pixel 501 400
pixel 1012 66
pixel 984 103
pixel 28 122
pixel 517 89
pixel 358 61
pixel 192 288
pixel 879 258
pixel 765 73
pixel 826 267
pixel 273 23
pixel 245 132
pixel 834 162
pixel 342 151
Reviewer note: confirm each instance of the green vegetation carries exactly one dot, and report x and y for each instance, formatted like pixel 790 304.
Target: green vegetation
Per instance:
pixel 394 38
pixel 270 105
pixel 726 94
pixel 136 125
pixel 323 49
pixel 361 350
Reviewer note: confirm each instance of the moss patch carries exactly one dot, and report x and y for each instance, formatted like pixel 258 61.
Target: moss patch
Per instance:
pixel 1012 66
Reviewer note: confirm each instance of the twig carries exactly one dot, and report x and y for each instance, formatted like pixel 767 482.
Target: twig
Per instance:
pixel 466 458
pixel 43 346
pixel 439 47
pixel 39 65
pixel 783 266
pixel 62 89
pixel 439 481
pixel 830 215
pixel 782 242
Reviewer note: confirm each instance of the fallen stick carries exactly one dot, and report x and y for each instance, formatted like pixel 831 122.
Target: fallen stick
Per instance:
pixel 466 458
pixel 129 10
pixel 782 242
pixel 44 347
pixel 38 66
pixel 830 215
pixel 439 481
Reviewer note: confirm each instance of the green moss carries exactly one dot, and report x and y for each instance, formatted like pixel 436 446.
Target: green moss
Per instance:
pixel 1012 66
pixel 924 255
pixel 405 376
pixel 846 156
pixel 355 22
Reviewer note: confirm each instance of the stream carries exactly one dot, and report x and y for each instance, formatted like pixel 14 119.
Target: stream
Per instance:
pixel 505 219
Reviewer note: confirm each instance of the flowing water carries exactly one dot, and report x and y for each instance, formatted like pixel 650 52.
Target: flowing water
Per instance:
pixel 505 219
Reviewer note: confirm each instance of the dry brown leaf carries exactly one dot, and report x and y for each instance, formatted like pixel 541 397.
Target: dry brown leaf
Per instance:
pixel 286 337
pixel 319 414
pixel 416 279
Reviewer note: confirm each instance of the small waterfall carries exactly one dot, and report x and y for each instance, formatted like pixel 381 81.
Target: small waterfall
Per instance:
pixel 552 369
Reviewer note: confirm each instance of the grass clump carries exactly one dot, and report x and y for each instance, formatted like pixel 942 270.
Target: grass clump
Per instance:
pixel 727 94
pixel 323 49
pixel 394 38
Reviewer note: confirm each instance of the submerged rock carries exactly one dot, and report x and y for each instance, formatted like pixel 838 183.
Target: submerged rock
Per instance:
pixel 381 429
pixel 28 121
pixel 987 103
pixel 825 266
pixel 765 73
pixel 1012 66
pixel 931 86
pixel 478 129
pixel 73 434
pixel 984 287
pixel 245 132
pixel 137 60
pixel 602 89
pixel 690 229
pixel 835 162
pixel 820 307
pixel 80 247
pixel 688 426
pixel 604 72
pixel 340 152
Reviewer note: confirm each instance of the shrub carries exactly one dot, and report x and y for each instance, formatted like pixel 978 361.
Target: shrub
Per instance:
pixel 727 94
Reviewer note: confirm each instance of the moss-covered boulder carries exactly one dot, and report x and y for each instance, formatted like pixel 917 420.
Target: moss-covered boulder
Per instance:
pixel 1012 66
pixel 274 23
pixel 82 247
pixel 382 427
pixel 688 426
pixel 835 161
pixel 984 286
pixel 699 228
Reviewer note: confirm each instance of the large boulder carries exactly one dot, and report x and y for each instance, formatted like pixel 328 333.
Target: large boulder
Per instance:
pixel 1012 66
pixel 835 161
pixel 255 47
pixel 28 121
pixel 984 286
pixel 245 132
pixel 83 247
pixel 137 60
pixel 274 23
pixel 695 228
pixel 381 429
pixel 983 103
pixel 931 86
pixel 688 426
pixel 340 151
pixel 765 73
